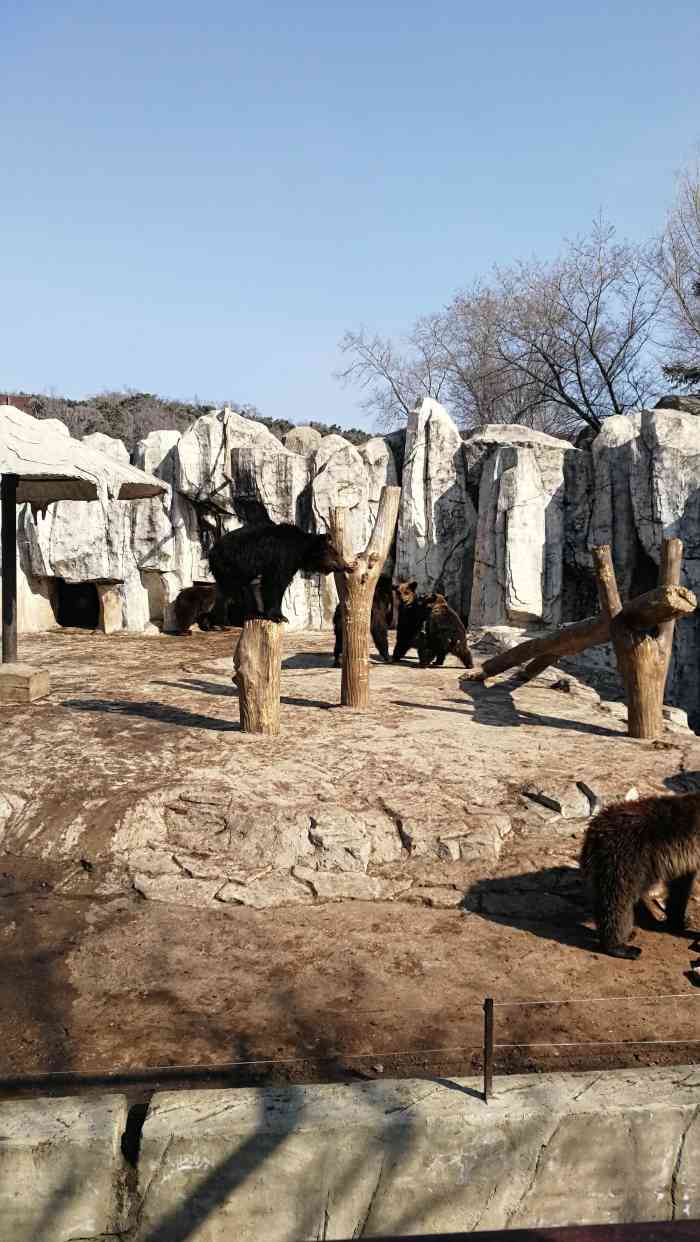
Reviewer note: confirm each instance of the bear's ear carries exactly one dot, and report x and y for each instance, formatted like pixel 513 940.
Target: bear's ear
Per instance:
pixel 412 585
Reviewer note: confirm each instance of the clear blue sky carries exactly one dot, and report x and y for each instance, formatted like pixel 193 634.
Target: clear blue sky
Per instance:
pixel 201 198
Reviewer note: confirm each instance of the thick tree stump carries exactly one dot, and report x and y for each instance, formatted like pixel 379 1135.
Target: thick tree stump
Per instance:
pixel 643 657
pixel 356 592
pixel 258 675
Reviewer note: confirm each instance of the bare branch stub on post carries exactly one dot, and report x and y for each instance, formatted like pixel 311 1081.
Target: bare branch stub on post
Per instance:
pixel 356 591
pixel 258 675
pixel 643 658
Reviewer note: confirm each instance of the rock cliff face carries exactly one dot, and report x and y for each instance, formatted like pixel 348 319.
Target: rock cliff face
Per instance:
pixel 437 519
pixel 502 522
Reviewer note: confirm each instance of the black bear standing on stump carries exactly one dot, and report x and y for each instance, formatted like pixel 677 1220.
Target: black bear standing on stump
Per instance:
pixel 413 613
pixel 193 604
pixel 632 846
pixel 442 634
pixel 260 561
pixel 382 610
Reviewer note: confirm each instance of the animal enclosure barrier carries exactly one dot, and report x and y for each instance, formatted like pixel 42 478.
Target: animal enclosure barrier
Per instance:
pixel 641 631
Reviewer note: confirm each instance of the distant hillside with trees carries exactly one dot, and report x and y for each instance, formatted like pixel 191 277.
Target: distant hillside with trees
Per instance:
pixel 129 416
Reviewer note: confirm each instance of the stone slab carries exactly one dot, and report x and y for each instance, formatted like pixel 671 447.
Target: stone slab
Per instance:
pixel 421 1156
pixel 61 1168
pixel 22 683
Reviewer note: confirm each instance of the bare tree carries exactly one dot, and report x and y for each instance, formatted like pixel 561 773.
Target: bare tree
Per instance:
pixel 678 264
pixel 550 345
pixel 393 382
pixel 582 327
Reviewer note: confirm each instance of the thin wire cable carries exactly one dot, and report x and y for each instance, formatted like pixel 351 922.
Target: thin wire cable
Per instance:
pixel 597 1000
pixel 592 1043
pixel 225 1066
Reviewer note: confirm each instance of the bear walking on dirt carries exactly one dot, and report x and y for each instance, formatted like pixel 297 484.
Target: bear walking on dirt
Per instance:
pixel 380 621
pixel 442 634
pixel 411 616
pixel 193 604
pixel 259 562
pixel 629 848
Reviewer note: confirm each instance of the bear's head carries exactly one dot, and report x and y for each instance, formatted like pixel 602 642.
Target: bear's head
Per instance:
pixel 323 557
pixel 434 599
pixel 407 592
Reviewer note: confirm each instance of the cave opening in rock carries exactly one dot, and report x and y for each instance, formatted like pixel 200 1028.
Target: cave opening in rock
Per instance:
pixel 77 605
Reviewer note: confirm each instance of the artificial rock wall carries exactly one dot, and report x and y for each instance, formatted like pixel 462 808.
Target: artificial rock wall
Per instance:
pixel 502 521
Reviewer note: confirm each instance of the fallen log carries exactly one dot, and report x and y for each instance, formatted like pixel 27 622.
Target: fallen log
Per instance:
pixel 663 604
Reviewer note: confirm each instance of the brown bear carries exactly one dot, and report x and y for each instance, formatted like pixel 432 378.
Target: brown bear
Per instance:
pixel 193 604
pixel 411 615
pixel 631 847
pixel 442 634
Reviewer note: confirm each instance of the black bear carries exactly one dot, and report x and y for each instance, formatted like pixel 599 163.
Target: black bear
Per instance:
pixel 382 610
pixel 442 634
pixel 260 561
pixel 412 614
pixel 192 604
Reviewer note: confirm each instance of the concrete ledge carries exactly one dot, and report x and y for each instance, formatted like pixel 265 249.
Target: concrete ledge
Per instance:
pixel 61 1168
pixel 421 1156
pixel 22 683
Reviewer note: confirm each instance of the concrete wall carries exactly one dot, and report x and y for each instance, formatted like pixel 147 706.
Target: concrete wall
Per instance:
pixel 356 1161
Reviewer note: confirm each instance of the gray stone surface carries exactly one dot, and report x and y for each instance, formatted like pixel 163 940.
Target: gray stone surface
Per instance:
pixel 419 1156
pixel 518 557
pixel 61 1168
pixel 437 519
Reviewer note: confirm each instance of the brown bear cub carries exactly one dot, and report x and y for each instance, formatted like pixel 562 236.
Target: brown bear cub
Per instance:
pixel 412 613
pixel 193 604
pixel 632 846
pixel 442 634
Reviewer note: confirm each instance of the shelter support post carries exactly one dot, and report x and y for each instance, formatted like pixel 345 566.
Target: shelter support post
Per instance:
pixel 8 535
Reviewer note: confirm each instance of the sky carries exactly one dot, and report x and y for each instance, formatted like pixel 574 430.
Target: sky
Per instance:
pixel 199 200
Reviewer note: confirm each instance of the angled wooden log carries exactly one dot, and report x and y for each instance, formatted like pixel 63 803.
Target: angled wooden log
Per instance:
pixel 356 592
pixel 258 664
pixel 660 607
pixel 642 656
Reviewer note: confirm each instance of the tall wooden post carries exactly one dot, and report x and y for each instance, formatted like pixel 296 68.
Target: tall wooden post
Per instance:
pixel 258 675
pixel 356 591
pixel 642 656
pixel 8 542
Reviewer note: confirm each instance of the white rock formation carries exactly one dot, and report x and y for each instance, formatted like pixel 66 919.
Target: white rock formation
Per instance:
pixel 437 520
pixel 518 557
pixel 303 440
pixel 109 445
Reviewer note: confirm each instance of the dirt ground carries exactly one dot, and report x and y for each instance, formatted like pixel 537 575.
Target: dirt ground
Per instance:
pixel 116 983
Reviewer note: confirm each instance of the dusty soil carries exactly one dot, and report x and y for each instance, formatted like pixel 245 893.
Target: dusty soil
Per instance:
pixel 99 984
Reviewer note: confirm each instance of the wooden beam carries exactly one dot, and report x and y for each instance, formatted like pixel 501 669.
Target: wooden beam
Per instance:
pixel 8 543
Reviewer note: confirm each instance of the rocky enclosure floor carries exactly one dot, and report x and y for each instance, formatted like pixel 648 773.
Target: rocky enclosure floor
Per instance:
pixel 339 899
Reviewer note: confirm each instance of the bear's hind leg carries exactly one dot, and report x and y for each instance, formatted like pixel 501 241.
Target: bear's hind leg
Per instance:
pixel 615 921
pixel 679 891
